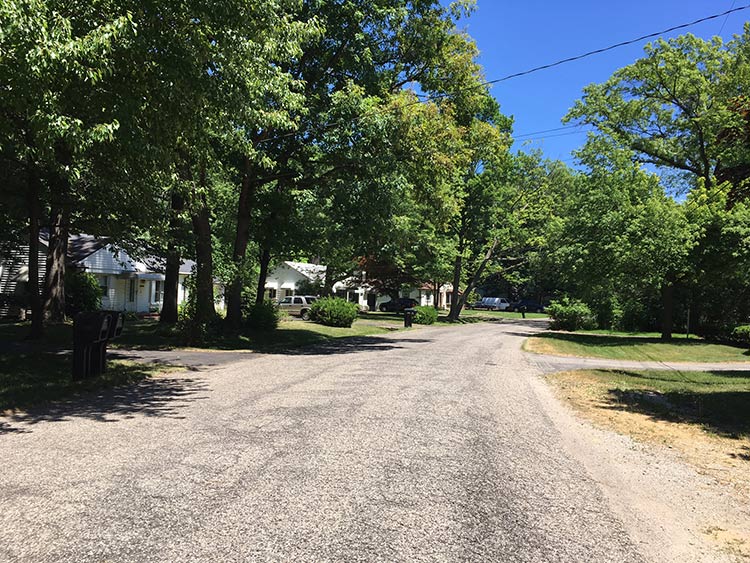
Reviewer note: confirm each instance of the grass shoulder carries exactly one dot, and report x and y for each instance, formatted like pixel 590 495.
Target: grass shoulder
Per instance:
pixel 633 346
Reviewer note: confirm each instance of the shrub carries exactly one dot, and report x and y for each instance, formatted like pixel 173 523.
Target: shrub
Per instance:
pixel 742 333
pixel 425 315
pixel 569 314
pixel 263 316
pixel 333 311
pixel 82 292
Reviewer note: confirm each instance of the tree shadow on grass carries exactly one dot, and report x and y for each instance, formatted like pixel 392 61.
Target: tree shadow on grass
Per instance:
pixel 726 413
pixel 39 387
pixel 603 340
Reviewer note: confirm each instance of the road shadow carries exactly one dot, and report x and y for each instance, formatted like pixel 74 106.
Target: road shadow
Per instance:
pixel 726 413
pixel 162 397
pixel 348 345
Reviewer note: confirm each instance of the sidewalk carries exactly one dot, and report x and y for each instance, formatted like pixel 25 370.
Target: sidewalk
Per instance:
pixel 550 364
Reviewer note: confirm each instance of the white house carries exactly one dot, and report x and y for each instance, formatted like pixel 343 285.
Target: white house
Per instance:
pixel 130 285
pixel 127 284
pixel 285 279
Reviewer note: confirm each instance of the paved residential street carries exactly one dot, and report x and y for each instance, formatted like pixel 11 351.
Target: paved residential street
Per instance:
pixel 438 444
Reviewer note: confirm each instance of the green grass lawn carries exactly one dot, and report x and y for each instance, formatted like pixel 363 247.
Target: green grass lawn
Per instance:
pixel 150 335
pixel 657 335
pixel 719 401
pixel 638 348
pixel 55 336
pixel 30 378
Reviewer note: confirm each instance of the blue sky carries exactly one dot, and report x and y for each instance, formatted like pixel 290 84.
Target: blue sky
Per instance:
pixel 517 35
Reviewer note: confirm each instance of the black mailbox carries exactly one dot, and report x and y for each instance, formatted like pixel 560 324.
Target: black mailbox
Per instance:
pixel 117 321
pixel 91 333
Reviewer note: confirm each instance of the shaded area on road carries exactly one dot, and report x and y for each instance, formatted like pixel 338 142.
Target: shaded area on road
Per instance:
pixel 157 397
pixel 350 345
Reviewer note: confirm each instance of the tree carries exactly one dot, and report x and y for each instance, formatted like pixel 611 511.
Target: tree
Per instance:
pixel 56 59
pixel 672 107
pixel 366 53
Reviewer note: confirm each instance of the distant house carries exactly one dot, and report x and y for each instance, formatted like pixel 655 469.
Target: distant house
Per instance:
pixel 288 276
pixel 127 284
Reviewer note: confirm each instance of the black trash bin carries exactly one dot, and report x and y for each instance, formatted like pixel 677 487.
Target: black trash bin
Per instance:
pixel 409 315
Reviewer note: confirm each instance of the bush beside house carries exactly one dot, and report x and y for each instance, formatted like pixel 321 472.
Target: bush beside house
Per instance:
pixel 264 316
pixel 425 315
pixel 333 311
pixel 568 314
pixel 742 334
pixel 82 292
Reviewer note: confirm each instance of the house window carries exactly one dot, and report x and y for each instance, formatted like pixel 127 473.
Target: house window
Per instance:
pixel 131 291
pixel 271 293
pixel 158 291
pixel 104 285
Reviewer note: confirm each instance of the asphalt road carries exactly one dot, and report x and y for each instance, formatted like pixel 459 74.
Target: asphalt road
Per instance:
pixel 428 445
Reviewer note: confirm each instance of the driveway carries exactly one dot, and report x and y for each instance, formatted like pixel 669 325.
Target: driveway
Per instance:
pixel 440 444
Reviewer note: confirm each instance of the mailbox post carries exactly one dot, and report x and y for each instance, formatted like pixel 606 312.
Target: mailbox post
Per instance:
pixel 409 315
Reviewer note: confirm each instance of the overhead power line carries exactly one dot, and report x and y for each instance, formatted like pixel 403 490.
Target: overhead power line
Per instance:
pixel 424 99
pixel 546 131
pixel 616 45
pixel 726 18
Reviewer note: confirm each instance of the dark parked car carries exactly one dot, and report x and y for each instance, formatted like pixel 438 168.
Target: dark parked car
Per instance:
pixel 527 305
pixel 397 305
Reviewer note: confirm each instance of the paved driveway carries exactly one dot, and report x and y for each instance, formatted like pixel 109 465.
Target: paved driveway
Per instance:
pixel 438 444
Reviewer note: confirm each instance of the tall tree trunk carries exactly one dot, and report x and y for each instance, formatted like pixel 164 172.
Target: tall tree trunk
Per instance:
pixel 458 303
pixel 54 280
pixel 35 299
pixel 667 308
pixel 457 267
pixel 436 295
pixel 328 282
pixel 242 237
pixel 265 260
pixel 169 309
pixel 204 286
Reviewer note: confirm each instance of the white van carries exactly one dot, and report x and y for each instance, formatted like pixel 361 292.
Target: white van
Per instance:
pixel 492 304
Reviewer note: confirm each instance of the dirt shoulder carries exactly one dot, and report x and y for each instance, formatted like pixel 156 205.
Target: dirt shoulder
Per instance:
pixel 723 460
